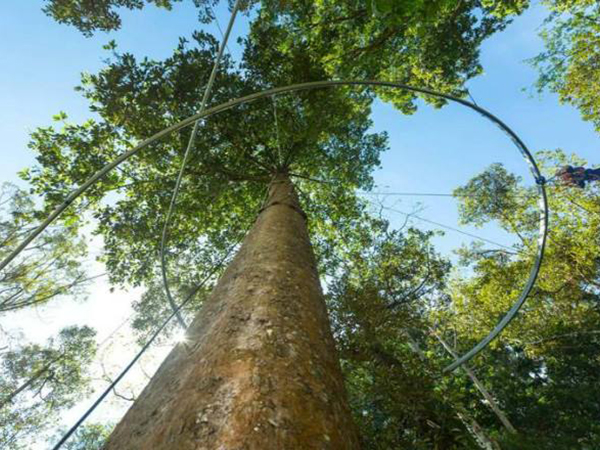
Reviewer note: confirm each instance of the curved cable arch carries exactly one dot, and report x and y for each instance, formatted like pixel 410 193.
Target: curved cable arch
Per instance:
pixel 527 155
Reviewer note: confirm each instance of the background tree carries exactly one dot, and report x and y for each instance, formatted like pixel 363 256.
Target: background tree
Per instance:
pixel 50 268
pixel 38 382
pixel 383 301
pixel 541 371
pixel 380 296
pixel 91 436
pixel 570 63
pixel 543 367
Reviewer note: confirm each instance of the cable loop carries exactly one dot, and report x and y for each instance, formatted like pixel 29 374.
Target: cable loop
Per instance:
pixel 543 203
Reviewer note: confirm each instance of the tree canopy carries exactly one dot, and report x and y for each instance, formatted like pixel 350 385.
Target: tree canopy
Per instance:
pixel 50 268
pixel 316 135
pixel 395 303
pixel 38 382
pixel 432 44
pixel 569 63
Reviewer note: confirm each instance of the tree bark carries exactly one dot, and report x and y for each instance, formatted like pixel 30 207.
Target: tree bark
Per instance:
pixel 260 369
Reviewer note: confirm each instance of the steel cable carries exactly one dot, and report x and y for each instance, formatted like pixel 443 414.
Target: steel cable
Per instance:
pixel 188 150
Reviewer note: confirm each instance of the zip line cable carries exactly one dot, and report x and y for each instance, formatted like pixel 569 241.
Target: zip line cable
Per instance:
pixel 439 194
pixel 448 227
pixel 145 347
pixel 411 194
pixel 427 194
pixel 521 147
pixel 207 92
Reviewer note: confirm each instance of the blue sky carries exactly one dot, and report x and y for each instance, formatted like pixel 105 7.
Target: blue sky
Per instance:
pixel 431 151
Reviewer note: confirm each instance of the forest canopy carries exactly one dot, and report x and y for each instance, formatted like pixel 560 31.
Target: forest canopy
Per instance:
pixel 399 308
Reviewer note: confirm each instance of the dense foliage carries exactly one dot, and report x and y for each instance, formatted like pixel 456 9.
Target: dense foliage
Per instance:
pixel 38 382
pixel 433 44
pixel 394 301
pixel 46 270
pixel 545 366
pixel 398 312
pixel 570 64
pixel 379 303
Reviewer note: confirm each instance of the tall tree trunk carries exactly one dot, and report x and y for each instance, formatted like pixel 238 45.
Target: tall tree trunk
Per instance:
pixel 260 370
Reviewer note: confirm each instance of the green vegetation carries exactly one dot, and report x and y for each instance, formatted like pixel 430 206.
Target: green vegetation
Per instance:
pixel 569 65
pixel 38 382
pixel 394 301
pixel 48 269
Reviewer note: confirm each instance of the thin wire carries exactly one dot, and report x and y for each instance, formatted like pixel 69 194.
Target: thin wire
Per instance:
pixel 207 91
pixel 448 227
pixel 280 158
pixel 219 28
pixel 438 194
pixel 114 332
pixel 414 194
pixel 471 97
